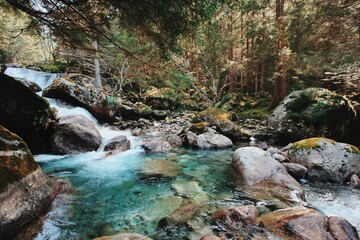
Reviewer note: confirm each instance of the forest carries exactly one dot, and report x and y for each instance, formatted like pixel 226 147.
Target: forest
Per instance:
pixel 171 120
pixel 217 47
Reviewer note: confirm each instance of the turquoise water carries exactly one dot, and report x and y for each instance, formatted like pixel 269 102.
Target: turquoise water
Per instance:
pixel 111 194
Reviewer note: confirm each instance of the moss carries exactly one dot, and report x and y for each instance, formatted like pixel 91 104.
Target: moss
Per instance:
pixel 16 165
pixel 211 114
pixel 308 144
pixel 199 127
pixel 352 149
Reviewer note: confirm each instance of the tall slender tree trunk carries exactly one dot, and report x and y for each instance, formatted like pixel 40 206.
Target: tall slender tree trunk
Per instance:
pixel 97 82
pixel 280 74
pixel 231 54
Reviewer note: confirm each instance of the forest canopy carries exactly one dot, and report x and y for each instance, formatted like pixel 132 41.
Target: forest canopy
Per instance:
pixel 218 47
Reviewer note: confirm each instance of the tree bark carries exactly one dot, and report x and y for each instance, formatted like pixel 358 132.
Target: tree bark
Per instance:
pixel 97 81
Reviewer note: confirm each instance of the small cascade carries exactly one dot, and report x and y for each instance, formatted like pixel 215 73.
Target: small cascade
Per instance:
pixel 44 79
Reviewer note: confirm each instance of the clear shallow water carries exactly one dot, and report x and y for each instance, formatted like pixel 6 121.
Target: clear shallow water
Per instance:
pixel 110 195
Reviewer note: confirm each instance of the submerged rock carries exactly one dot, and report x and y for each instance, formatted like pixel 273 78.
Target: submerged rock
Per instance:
pixel 264 178
pixel 313 112
pixel 25 191
pixel 160 168
pixel 326 160
pixel 25 113
pixel 75 134
pixel 124 236
pixel 99 104
pixel 212 141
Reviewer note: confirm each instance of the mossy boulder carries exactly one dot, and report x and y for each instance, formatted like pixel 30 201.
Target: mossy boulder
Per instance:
pixel 199 128
pixel 134 111
pixel 102 106
pixel 162 98
pixel 222 121
pixel 313 112
pixel 326 159
pixel 25 113
pixel 25 190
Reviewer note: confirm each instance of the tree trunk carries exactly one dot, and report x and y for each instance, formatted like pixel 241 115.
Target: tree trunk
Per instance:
pixel 97 81
pixel 280 74
pixel 263 60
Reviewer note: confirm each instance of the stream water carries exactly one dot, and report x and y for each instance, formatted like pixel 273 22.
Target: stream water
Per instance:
pixel 111 195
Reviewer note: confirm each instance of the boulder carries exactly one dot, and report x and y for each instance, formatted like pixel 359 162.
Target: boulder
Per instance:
pixel 185 212
pixel 211 237
pixel 34 87
pixel 222 121
pixel 326 160
pixel 313 112
pixel 25 191
pixel 305 223
pixel 237 219
pixel 25 113
pixel 160 168
pixel 174 140
pixel 102 106
pixel 134 111
pixel 156 146
pixel 118 144
pixel 75 134
pixel 295 170
pixel 212 141
pixel 124 236
pixel 189 139
pixel 264 178
pixel 161 98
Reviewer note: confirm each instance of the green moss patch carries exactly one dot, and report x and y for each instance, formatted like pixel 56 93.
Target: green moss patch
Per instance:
pixel 308 144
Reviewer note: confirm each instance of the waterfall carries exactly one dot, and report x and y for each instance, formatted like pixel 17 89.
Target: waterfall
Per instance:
pixel 44 79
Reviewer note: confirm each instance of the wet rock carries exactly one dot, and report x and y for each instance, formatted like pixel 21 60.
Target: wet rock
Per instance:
pixel 190 138
pixel 118 144
pixel 157 146
pixel 237 219
pixel 185 212
pixel 25 191
pixel 160 168
pixel 29 84
pixel 124 236
pixel 326 160
pixel 25 113
pixel 212 141
pixel 264 178
pixel 174 140
pixel 75 134
pixel 164 207
pixel 222 121
pixel 99 104
pixel 313 112
pixel 340 228
pixel 303 223
pixel 354 181
pixel 296 170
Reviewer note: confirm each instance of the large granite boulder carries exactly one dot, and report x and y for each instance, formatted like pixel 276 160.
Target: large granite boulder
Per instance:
pixel 210 140
pixel 313 112
pixel 118 144
pixel 264 178
pixel 75 134
pixel 102 106
pixel 25 113
pixel 25 191
pixel 134 111
pixel 326 160
pixel 305 223
pixel 214 117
